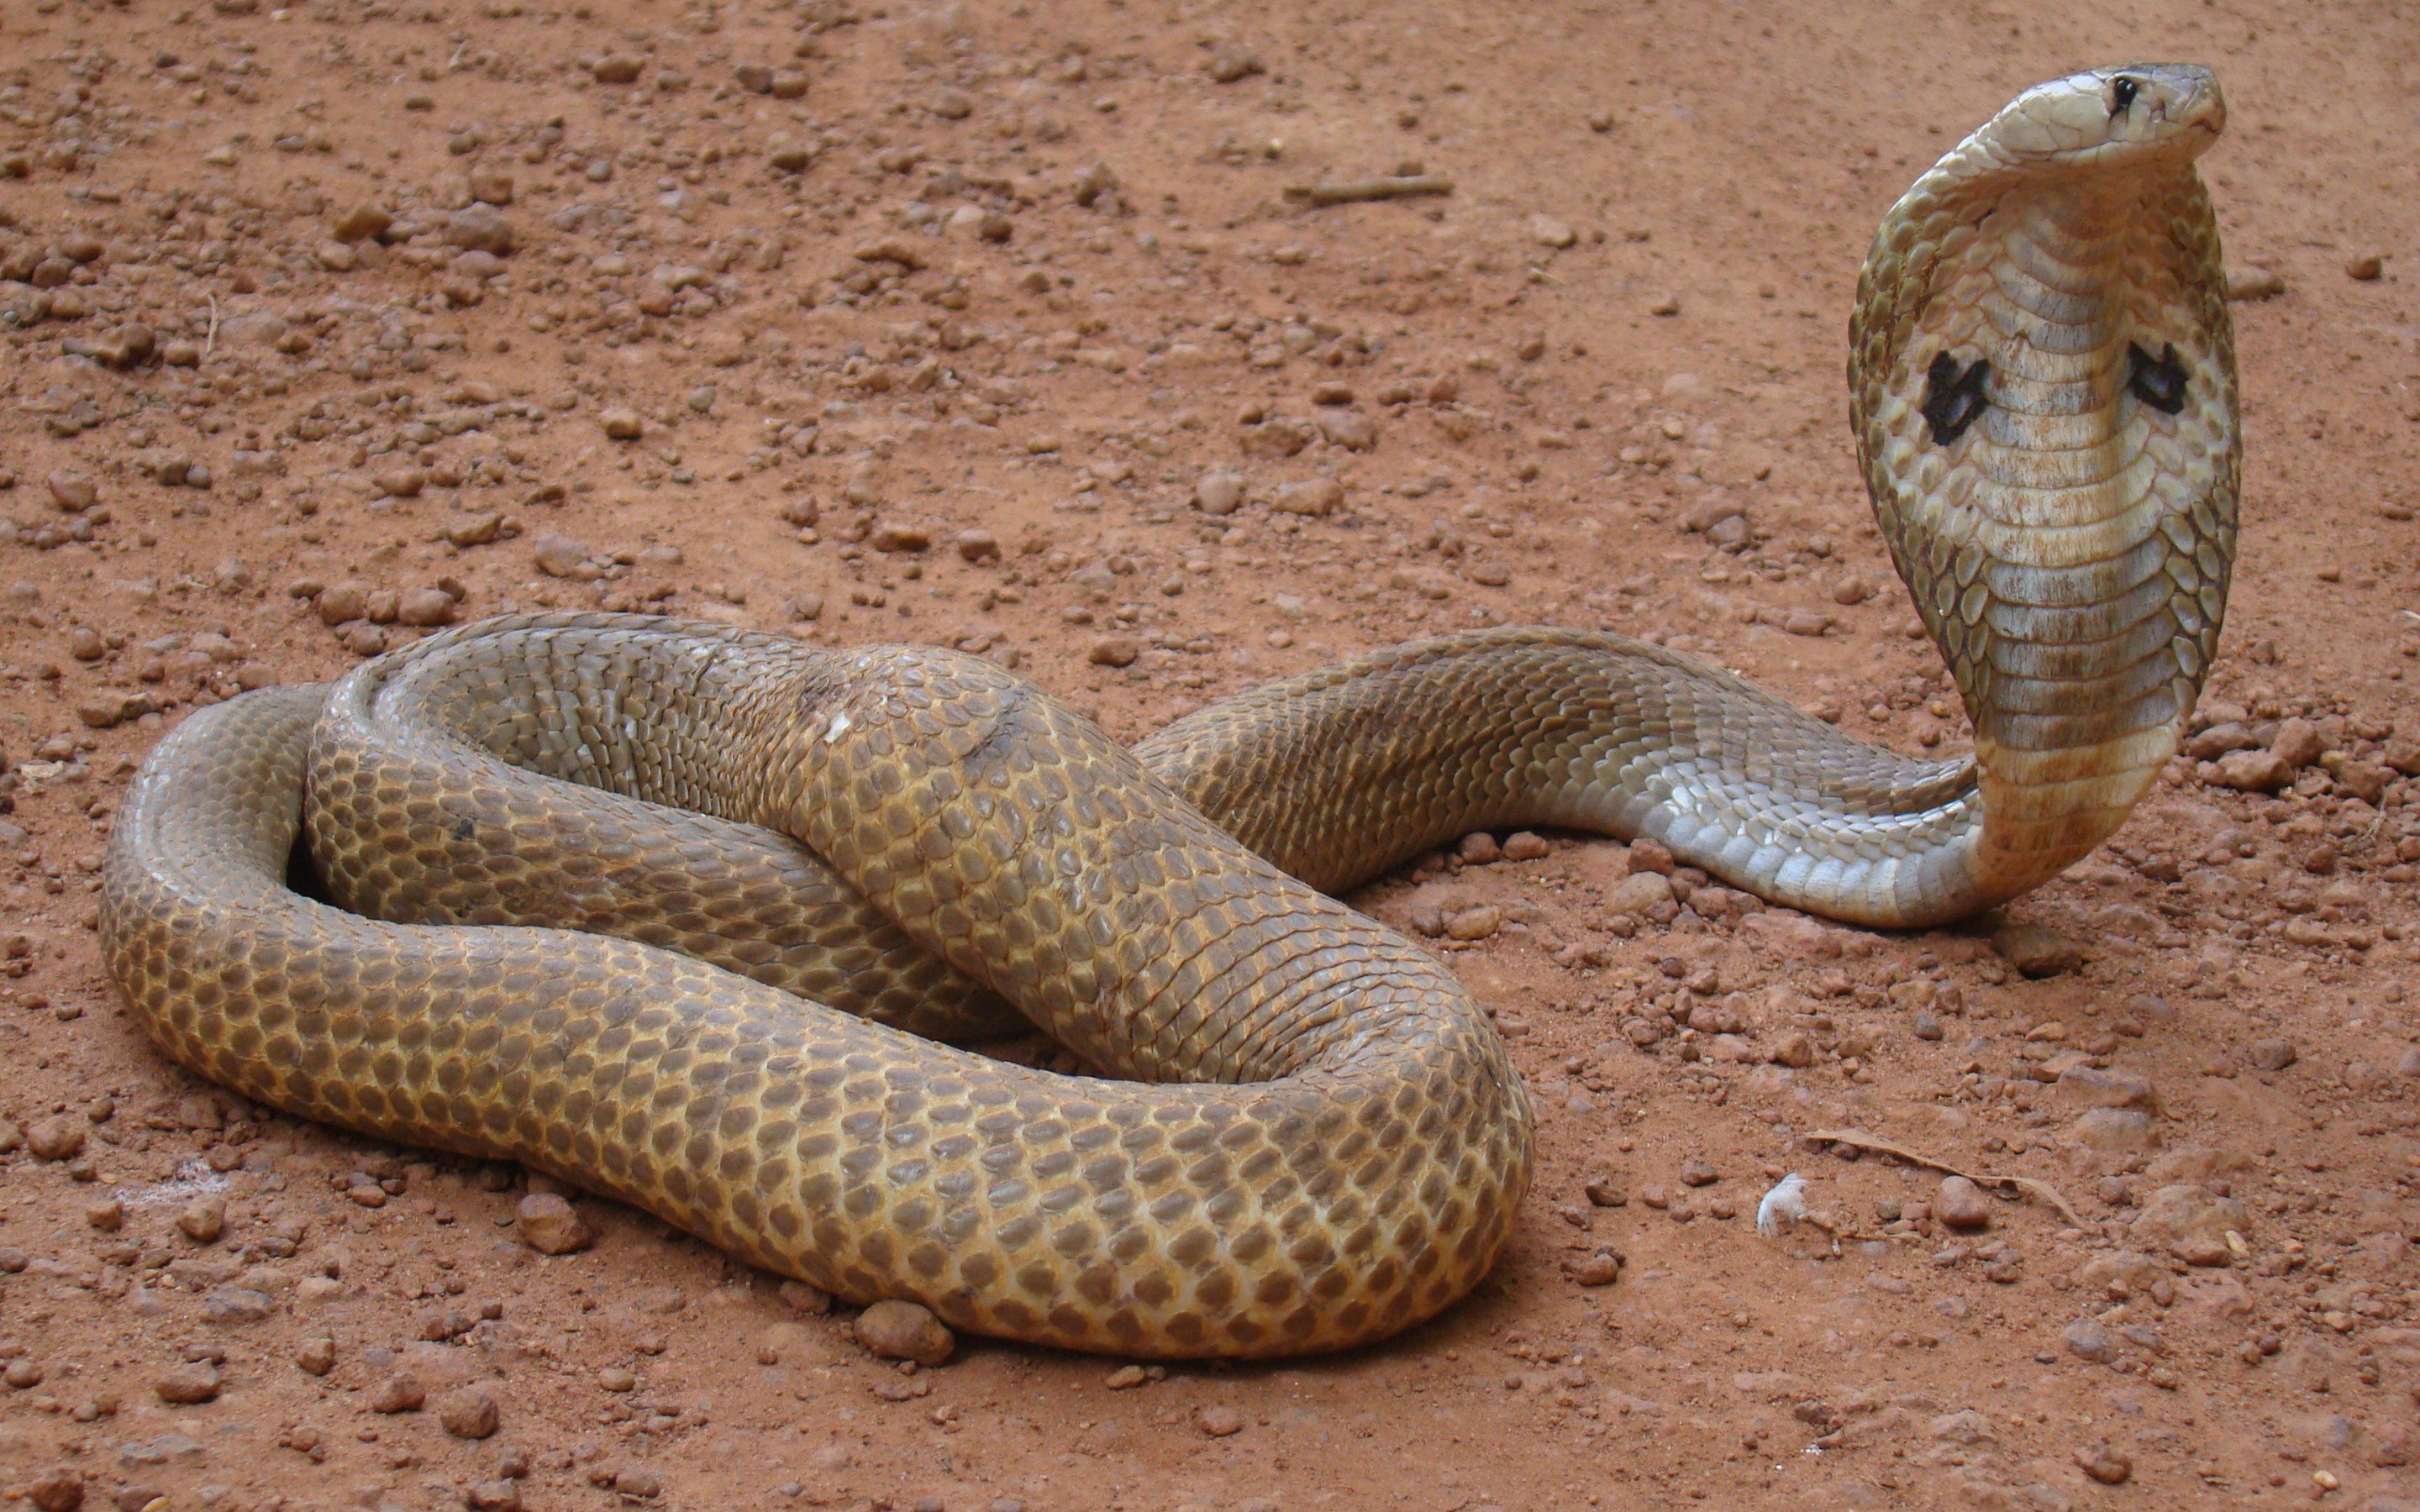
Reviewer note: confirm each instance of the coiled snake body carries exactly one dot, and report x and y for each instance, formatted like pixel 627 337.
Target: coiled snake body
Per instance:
pixel 1318 1140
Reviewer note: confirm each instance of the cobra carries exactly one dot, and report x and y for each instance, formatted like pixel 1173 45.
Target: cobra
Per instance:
pixel 684 915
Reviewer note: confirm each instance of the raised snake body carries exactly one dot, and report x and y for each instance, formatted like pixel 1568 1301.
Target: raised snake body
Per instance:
pixel 814 859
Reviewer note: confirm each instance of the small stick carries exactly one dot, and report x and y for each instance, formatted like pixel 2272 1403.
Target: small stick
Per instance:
pixel 211 339
pixel 1410 186
pixel 2023 1184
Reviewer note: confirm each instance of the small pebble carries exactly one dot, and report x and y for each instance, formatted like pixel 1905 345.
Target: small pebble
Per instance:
pixel 1219 1420
pixel 2253 771
pixel 73 492
pixel 57 1138
pixel 398 1392
pixel 1600 1269
pixel 557 556
pixel 499 1495
pixel 56 1490
pixel 1230 62
pixel 1639 894
pixel 2108 1466
pixel 2274 1054
pixel 1549 232
pixel 203 1219
pixel 1962 1204
pixel 363 223
pixel 2250 284
pixel 2088 1340
pixel 550 1226
pixel 468 1413
pixel 1606 1192
pixel 481 227
pixel 1477 923
pixel 1796 1050
pixel 1219 492
pixel 2297 743
pixel 1318 497
pixel 2037 949
pixel 897 1330
pixel 188 1385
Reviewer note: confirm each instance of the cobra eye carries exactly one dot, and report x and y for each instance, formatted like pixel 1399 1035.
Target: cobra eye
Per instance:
pixel 2121 95
pixel 1954 397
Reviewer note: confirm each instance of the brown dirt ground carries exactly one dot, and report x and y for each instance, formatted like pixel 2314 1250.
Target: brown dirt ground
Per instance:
pixel 1626 318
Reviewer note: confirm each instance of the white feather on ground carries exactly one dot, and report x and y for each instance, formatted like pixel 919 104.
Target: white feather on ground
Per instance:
pixel 1782 1207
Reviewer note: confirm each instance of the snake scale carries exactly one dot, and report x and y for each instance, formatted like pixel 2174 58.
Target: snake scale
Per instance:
pixel 713 979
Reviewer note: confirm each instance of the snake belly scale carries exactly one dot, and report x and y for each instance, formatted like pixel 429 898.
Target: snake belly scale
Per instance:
pixel 683 914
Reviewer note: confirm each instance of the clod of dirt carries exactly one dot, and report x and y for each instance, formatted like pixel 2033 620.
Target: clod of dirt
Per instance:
pixel 2192 1223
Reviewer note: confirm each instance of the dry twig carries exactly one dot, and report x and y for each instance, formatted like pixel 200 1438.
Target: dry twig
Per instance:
pixel 2025 1184
pixel 1409 186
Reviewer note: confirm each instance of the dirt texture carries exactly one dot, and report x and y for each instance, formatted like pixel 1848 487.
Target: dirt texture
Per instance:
pixel 998 326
